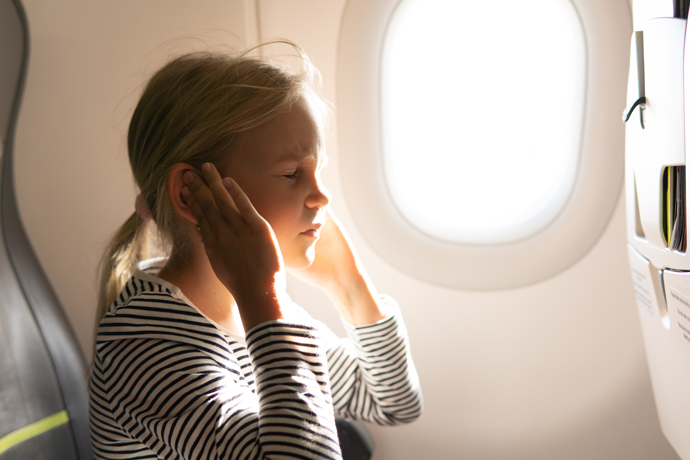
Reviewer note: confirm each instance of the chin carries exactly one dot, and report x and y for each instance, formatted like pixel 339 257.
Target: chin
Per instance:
pixel 301 261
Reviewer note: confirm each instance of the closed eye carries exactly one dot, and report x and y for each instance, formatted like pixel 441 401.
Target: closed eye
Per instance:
pixel 292 175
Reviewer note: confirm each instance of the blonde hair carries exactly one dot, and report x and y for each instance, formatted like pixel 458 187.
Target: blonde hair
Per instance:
pixel 192 111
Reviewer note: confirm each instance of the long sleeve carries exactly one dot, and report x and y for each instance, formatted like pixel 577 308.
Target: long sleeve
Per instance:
pixel 174 400
pixel 372 374
pixel 167 383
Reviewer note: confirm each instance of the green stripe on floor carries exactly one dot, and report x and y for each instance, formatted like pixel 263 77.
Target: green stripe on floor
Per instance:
pixel 33 430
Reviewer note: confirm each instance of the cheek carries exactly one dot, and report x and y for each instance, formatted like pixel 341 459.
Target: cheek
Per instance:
pixel 280 213
pixel 265 203
pixel 275 202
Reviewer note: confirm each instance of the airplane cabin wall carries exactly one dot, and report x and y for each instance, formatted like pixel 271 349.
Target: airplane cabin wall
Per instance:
pixel 552 370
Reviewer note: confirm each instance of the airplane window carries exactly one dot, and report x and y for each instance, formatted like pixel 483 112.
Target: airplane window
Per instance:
pixel 482 110
pixel 480 143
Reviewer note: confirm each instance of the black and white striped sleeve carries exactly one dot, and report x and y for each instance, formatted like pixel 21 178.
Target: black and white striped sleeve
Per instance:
pixel 372 374
pixel 180 403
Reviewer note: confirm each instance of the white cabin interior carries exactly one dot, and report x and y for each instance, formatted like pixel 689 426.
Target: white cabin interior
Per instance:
pixel 551 366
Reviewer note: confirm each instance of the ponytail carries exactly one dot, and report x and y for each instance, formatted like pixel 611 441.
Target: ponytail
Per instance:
pixel 127 248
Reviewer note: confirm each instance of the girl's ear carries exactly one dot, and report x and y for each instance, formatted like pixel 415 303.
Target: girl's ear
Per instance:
pixel 175 184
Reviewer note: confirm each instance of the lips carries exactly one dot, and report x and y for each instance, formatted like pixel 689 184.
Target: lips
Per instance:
pixel 313 231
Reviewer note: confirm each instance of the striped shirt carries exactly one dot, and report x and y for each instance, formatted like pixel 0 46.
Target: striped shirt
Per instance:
pixel 168 383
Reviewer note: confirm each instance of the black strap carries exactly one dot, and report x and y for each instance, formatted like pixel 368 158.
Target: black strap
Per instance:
pixel 628 112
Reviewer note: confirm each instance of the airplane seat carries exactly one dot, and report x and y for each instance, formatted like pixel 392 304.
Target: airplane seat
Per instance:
pixel 43 391
pixel 355 441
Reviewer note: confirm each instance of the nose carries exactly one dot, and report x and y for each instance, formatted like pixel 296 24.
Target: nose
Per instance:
pixel 319 196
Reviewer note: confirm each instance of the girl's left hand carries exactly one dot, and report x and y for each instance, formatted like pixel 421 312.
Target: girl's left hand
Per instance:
pixel 337 270
pixel 335 261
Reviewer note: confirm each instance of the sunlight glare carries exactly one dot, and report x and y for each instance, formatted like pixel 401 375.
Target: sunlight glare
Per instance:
pixel 482 111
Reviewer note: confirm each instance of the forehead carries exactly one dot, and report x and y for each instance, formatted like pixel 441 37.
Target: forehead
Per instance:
pixel 291 136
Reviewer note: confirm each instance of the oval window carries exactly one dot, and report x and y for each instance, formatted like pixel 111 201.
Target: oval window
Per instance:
pixel 482 111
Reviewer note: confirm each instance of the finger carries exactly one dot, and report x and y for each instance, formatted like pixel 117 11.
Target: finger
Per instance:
pixel 227 183
pixel 332 220
pixel 201 201
pixel 201 220
pixel 243 203
pixel 203 224
pixel 223 199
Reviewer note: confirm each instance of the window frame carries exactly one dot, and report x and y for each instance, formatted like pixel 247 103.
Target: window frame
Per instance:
pixel 569 236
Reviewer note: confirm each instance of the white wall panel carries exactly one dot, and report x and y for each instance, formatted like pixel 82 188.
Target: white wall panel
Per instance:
pixel 88 63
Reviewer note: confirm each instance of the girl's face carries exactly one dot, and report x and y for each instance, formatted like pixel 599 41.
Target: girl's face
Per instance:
pixel 278 165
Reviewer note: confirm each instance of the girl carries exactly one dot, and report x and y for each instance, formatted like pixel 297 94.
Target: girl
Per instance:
pixel 202 355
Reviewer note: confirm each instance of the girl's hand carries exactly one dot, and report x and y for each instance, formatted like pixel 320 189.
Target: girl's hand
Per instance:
pixel 337 270
pixel 335 261
pixel 240 244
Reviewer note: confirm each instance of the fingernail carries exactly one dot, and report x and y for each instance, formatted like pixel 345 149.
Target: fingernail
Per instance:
pixel 227 182
pixel 206 168
pixel 185 191
pixel 188 177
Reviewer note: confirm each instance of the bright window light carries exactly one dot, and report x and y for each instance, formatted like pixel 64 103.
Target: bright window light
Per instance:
pixel 482 111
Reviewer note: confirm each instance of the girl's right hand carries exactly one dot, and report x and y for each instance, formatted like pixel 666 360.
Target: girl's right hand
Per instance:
pixel 241 246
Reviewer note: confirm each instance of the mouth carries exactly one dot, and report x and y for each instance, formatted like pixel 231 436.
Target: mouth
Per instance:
pixel 313 232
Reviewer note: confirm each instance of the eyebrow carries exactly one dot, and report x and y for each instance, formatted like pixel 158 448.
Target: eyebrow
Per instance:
pixel 293 156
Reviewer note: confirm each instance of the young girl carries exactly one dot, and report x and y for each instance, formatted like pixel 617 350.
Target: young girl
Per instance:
pixel 202 355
